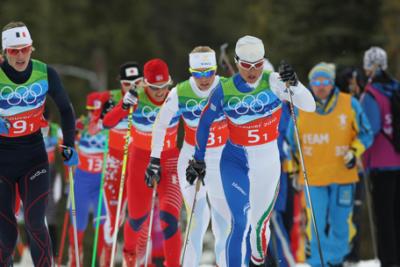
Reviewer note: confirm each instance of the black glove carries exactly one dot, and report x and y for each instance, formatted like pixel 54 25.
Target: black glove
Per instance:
pixel 196 169
pixel 350 159
pixel 69 155
pixel 287 74
pixel 107 107
pixel 153 172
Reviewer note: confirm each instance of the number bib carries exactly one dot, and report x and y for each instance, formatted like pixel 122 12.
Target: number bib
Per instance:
pixel 117 138
pixel 217 137
pixel 92 163
pixel 257 132
pixel 26 123
pixel 142 140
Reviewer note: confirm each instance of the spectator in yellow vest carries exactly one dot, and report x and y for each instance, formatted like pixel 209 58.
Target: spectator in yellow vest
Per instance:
pixel 332 138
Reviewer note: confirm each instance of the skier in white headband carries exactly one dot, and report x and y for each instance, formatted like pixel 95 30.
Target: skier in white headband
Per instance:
pixel 188 99
pixel 24 86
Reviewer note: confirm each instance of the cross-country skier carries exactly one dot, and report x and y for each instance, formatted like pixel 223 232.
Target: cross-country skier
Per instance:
pixel 130 75
pixel 24 85
pixel 90 147
pixel 250 165
pixel 188 99
pixel 147 101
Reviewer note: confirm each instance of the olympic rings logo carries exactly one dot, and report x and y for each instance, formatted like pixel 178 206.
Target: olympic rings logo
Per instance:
pixel 96 141
pixel 27 95
pixel 149 113
pixel 195 107
pixel 248 103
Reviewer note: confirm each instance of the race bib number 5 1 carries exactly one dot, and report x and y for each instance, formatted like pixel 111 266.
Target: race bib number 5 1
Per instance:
pixel 257 132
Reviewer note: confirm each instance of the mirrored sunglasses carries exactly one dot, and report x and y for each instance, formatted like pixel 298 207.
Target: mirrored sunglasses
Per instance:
pixel 203 74
pixel 155 87
pixel 130 83
pixel 127 83
pixel 247 65
pixel 320 83
pixel 15 51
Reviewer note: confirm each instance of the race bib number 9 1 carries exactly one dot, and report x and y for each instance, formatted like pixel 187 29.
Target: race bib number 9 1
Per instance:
pixel 26 123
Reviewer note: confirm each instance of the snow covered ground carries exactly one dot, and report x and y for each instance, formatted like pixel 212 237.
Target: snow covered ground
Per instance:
pixel 364 263
pixel 207 260
pixel 27 262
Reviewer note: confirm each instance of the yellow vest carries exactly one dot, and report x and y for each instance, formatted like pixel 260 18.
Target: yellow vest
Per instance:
pixel 325 139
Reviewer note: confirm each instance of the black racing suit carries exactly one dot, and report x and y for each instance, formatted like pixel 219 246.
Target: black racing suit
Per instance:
pixel 23 161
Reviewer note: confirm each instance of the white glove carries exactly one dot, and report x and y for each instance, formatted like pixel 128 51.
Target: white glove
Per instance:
pixel 57 188
pixel 130 99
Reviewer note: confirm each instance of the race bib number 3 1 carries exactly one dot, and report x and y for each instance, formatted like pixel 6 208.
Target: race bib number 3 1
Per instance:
pixel 217 137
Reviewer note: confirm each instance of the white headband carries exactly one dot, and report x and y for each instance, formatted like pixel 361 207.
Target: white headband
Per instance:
pixel 15 36
pixel 202 60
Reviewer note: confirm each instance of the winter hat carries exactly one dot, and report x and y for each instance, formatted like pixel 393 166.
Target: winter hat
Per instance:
pixel 15 36
pixel 375 56
pixel 323 69
pixel 250 49
pixel 130 71
pixel 201 60
pixel 156 71
pixel 93 101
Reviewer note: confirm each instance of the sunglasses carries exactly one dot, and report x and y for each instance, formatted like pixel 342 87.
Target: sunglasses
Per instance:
pixel 159 87
pixel 130 83
pixel 320 83
pixel 203 74
pixel 127 83
pixel 156 87
pixel 247 65
pixel 15 51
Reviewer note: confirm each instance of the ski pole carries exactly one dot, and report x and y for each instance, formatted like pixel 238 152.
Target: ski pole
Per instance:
pixel 304 172
pixel 121 186
pixel 198 184
pixel 224 60
pixel 153 202
pixel 73 212
pixel 370 217
pixel 100 202
pixel 273 228
pixel 64 233
pixel 285 246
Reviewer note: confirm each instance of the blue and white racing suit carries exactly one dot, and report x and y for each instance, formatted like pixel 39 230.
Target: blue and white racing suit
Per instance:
pixel 250 164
